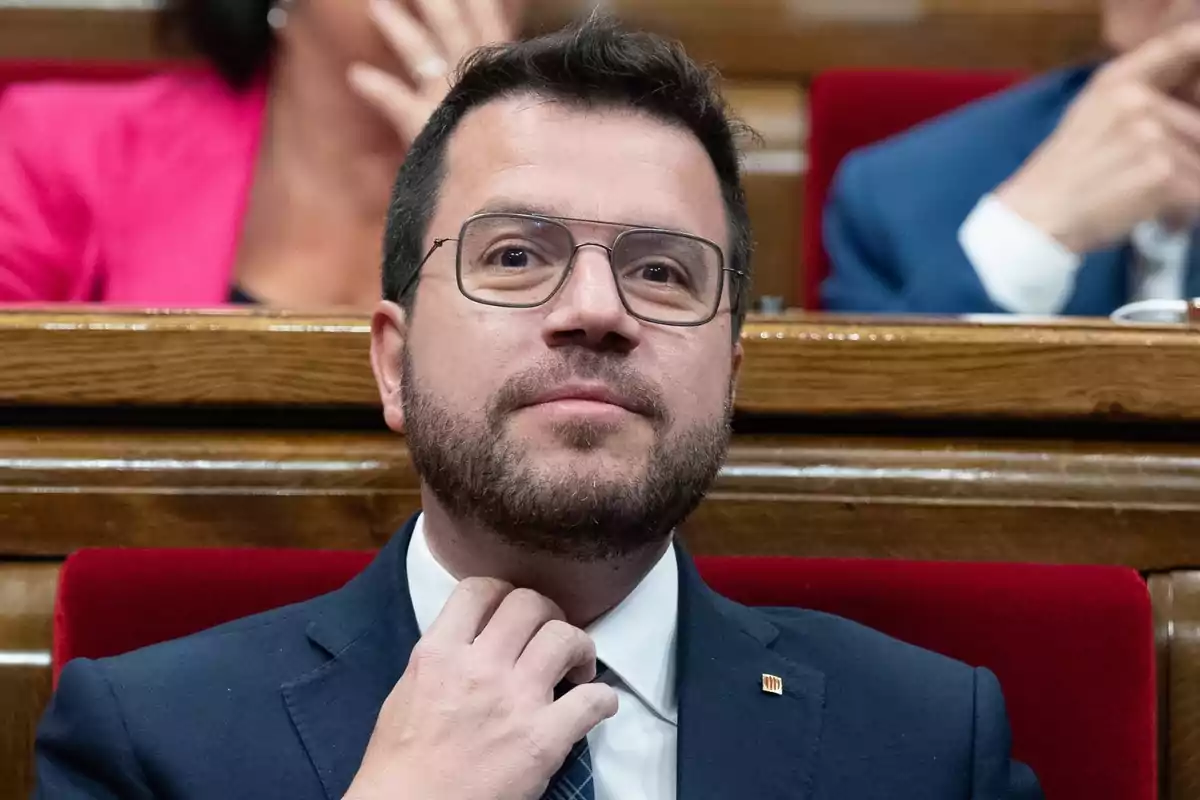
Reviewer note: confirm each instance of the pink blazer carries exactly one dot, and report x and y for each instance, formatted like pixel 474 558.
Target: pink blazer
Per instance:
pixel 130 193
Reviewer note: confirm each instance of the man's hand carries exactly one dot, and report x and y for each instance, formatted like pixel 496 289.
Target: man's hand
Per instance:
pixel 452 29
pixel 474 716
pixel 1127 151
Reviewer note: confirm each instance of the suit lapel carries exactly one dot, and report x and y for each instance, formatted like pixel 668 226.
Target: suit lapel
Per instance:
pixel 735 739
pixel 368 632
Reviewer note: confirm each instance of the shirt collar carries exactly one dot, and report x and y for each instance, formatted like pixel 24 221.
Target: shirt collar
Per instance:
pixel 635 639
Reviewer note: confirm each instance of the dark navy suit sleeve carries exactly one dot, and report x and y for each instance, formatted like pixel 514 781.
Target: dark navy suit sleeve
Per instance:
pixel 996 775
pixel 83 748
pixel 863 277
pixel 887 255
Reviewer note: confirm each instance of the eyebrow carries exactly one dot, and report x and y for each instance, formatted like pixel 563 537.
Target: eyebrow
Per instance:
pixel 503 206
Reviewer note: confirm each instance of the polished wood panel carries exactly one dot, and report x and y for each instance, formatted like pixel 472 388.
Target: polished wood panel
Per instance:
pixel 26 609
pixel 775 204
pixel 1161 591
pixel 795 365
pixel 1176 598
pixel 1079 370
pixel 26 597
pixel 774 164
pixel 61 490
pixel 958 499
pixel 776 111
pixel 235 357
pixel 24 692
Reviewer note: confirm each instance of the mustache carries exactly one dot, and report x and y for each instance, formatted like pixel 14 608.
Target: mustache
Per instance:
pixel 635 391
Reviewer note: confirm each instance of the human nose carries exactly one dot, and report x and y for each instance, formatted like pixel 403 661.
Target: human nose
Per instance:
pixel 588 309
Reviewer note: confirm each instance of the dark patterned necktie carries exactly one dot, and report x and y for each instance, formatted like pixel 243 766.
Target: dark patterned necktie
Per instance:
pixel 573 781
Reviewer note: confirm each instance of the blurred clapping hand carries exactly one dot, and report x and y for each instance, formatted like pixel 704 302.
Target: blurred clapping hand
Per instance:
pixel 430 38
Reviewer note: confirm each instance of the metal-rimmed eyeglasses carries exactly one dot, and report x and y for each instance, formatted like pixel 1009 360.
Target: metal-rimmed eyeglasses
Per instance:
pixel 517 260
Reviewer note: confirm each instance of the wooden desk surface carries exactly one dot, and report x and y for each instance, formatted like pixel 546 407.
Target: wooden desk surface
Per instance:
pixel 796 365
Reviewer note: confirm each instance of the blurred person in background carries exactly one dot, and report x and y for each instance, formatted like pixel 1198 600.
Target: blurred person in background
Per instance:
pixel 263 178
pixel 1075 193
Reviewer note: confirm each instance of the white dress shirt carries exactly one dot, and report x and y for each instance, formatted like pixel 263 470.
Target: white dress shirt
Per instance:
pixel 1027 271
pixel 633 754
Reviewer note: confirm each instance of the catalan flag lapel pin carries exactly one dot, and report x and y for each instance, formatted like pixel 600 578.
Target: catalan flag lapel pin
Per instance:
pixel 772 684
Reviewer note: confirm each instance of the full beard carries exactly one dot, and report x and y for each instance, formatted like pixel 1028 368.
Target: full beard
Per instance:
pixel 481 476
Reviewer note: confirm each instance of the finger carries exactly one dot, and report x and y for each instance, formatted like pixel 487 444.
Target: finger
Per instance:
pixel 1183 191
pixel 558 650
pixel 411 42
pixel 492 20
pixel 1180 117
pixel 1166 61
pixel 404 108
pixel 572 716
pixel 518 619
pixel 468 610
pixel 448 27
pixel 1162 181
pixel 1189 92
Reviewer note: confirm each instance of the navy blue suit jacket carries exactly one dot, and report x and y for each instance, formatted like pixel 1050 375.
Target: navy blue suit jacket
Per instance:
pixel 281 705
pixel 891 224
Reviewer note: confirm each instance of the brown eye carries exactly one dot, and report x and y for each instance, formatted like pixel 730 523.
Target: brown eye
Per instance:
pixel 514 257
pixel 661 273
pixel 656 273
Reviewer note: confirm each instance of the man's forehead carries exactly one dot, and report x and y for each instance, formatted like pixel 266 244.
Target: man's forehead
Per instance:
pixel 527 129
pixel 612 164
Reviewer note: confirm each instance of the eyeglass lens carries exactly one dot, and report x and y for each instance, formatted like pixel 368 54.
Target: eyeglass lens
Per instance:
pixel 521 261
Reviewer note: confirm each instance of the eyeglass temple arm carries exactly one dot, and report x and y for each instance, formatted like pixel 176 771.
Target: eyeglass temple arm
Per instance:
pixel 416 273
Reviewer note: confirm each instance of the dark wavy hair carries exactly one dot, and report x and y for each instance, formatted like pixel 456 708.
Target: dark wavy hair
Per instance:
pixel 233 35
pixel 594 63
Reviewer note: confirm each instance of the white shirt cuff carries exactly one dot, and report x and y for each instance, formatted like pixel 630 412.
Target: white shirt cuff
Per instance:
pixel 1023 269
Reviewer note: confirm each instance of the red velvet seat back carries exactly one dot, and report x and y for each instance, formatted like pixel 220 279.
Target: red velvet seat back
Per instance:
pixel 1073 646
pixel 849 109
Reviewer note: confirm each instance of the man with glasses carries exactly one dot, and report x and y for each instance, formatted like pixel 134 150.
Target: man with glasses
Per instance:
pixel 566 266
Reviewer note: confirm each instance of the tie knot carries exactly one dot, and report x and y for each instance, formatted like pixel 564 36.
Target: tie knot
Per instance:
pixel 603 675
